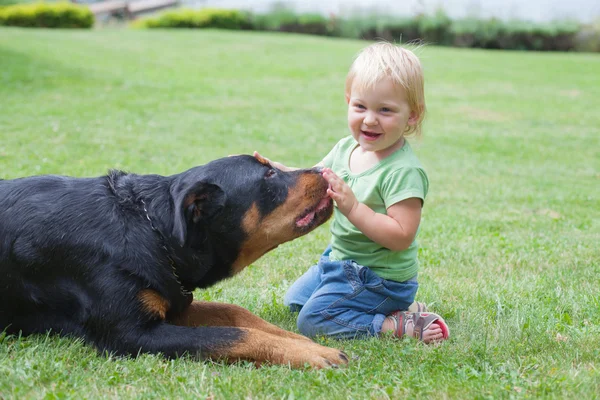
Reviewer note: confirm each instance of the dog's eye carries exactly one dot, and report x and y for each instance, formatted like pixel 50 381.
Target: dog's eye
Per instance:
pixel 270 173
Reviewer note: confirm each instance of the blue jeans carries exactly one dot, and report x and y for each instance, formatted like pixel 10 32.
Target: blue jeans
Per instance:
pixel 345 300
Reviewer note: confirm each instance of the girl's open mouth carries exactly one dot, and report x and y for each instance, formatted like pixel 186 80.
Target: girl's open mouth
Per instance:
pixel 370 135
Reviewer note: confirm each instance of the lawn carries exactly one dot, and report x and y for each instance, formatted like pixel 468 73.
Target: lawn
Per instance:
pixel 510 233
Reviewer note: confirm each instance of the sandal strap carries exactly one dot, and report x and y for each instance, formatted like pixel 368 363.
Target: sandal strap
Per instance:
pixel 421 322
pixel 418 306
pixel 401 320
pixel 424 321
pixel 396 321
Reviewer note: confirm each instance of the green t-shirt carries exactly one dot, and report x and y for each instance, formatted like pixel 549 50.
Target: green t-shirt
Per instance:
pixel 395 178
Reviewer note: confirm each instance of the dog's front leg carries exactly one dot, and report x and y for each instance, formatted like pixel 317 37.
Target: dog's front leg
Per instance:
pixel 229 343
pixel 203 313
pixel 261 347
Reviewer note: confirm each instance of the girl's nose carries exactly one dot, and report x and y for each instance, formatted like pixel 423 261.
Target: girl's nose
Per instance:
pixel 370 119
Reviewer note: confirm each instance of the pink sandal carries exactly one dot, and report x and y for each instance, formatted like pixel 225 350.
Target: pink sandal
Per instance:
pixel 421 322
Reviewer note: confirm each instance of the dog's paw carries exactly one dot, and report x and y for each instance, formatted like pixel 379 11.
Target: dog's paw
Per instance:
pixel 317 356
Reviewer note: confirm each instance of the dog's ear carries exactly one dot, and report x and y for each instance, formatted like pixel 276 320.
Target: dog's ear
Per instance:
pixel 194 205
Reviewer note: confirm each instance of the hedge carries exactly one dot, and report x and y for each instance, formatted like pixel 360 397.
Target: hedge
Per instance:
pixel 437 29
pixel 516 35
pixel 47 15
pixel 202 18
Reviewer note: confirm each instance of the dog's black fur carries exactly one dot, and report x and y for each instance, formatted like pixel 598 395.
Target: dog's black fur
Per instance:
pixel 76 253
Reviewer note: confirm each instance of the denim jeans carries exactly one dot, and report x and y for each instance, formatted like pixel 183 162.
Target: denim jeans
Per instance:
pixel 345 300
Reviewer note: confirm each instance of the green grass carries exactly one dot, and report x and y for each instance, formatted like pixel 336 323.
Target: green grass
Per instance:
pixel 510 234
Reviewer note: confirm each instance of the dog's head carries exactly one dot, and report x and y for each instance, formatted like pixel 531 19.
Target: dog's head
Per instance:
pixel 248 205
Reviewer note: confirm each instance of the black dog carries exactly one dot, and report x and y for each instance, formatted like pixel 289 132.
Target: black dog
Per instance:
pixel 113 259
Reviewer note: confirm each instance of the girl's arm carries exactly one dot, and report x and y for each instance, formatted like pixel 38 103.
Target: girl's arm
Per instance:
pixel 395 231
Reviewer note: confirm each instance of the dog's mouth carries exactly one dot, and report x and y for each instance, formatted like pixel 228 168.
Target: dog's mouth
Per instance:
pixel 316 214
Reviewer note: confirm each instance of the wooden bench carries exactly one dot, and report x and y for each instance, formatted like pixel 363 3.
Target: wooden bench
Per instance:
pixel 108 7
pixel 129 9
pixel 142 6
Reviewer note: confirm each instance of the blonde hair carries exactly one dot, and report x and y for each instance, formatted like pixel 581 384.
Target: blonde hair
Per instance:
pixel 386 60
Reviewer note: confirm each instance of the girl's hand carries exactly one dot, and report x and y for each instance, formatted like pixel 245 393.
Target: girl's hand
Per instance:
pixel 340 192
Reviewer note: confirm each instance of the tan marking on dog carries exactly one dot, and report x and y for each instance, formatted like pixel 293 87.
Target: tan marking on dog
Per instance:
pixel 153 303
pixel 262 347
pixel 261 159
pixel 193 198
pixel 203 313
pixel 264 234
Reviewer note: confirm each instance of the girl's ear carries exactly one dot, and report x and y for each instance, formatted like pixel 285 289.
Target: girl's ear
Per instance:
pixel 347 98
pixel 413 118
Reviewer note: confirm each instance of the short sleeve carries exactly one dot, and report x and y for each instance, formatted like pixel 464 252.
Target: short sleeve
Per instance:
pixel 330 157
pixel 404 184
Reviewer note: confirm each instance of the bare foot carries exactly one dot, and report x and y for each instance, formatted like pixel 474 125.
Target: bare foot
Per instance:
pixel 435 332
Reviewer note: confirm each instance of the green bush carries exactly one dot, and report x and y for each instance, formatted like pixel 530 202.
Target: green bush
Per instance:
pixel 203 18
pixel 588 38
pixel 435 29
pixel 380 27
pixel 354 27
pixel 428 28
pixel 284 20
pixel 514 35
pixel 439 29
pixel 47 15
pixel 314 24
pixel 465 32
pixel 10 2
pixel 399 30
pixel 273 20
pixel 472 32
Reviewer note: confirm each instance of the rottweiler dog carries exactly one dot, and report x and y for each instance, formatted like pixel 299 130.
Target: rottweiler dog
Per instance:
pixel 113 259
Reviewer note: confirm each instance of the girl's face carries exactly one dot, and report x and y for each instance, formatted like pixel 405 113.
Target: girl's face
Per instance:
pixel 378 117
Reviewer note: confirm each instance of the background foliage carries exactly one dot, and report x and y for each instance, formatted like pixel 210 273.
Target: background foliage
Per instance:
pixel 436 29
pixel 47 15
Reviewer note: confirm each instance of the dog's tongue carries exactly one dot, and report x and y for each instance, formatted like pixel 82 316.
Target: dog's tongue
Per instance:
pixel 307 219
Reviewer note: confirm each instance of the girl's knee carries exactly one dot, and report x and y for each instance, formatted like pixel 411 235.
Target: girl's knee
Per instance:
pixel 314 322
pixel 311 323
pixel 294 308
pixel 292 301
pixel 288 299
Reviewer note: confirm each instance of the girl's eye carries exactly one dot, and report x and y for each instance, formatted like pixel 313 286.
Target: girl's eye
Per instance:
pixel 359 106
pixel 385 109
pixel 270 173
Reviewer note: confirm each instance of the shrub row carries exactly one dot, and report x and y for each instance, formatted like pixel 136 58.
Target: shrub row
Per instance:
pixel 202 18
pixel 439 29
pixel 588 38
pixel 515 35
pixel 47 15
pixel 436 29
pixel 287 21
